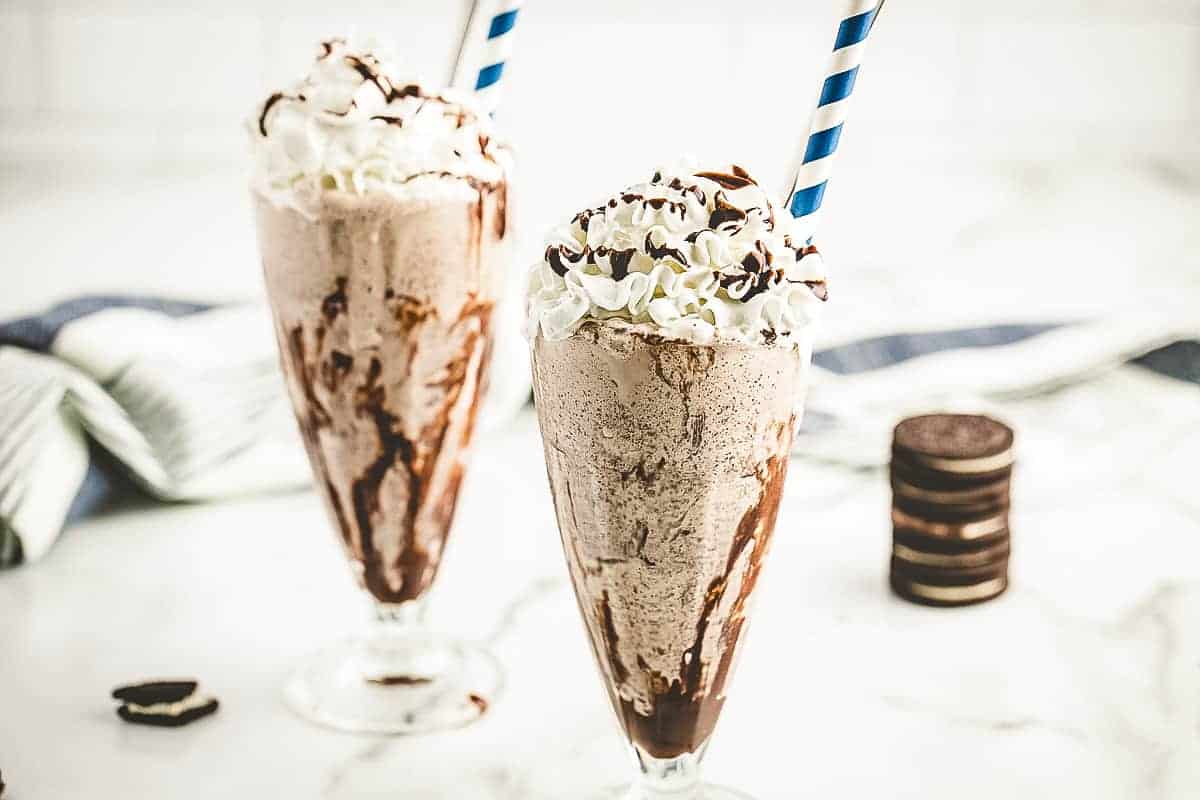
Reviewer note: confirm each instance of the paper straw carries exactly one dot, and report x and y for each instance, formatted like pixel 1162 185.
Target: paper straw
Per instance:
pixel 497 49
pixel 825 130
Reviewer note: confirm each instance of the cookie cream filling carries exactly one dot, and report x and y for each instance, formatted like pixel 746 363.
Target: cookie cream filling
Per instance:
pixel 194 700
pixel 692 255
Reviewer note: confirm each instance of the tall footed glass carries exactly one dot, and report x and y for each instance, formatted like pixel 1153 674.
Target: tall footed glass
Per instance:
pixel 667 462
pixel 383 312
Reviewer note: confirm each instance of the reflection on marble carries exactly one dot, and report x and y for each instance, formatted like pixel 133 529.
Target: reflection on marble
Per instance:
pixel 1082 681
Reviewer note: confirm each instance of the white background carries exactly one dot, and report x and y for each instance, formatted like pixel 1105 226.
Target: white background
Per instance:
pixel 1018 159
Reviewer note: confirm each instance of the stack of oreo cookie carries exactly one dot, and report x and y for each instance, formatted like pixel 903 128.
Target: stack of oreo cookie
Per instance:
pixel 950 476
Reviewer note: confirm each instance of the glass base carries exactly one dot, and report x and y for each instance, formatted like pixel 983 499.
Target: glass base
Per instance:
pixel 704 792
pixel 408 681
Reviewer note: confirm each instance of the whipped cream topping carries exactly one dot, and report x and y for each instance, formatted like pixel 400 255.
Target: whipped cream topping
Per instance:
pixel 359 123
pixel 692 255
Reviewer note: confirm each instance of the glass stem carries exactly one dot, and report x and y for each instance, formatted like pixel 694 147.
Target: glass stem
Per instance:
pixel 399 648
pixel 667 778
pixel 390 617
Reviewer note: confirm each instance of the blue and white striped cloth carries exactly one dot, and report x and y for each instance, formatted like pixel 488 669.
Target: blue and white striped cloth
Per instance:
pixel 105 394
pixel 863 387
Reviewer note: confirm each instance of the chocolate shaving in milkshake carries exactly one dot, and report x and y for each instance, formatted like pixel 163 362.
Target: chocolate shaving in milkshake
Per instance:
pixel 335 302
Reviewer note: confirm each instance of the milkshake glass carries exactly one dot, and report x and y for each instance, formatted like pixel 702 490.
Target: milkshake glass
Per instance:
pixel 670 333
pixel 383 225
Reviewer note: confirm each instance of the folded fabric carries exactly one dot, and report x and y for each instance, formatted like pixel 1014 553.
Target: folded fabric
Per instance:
pixel 862 388
pixel 182 400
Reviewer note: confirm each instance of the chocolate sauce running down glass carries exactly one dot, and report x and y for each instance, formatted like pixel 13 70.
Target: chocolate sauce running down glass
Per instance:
pixel 383 312
pixel 666 461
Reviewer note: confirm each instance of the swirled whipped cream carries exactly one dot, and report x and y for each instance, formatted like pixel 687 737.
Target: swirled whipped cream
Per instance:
pixel 359 123
pixel 691 255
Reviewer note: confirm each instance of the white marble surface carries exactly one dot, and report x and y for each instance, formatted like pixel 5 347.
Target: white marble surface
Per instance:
pixel 1083 681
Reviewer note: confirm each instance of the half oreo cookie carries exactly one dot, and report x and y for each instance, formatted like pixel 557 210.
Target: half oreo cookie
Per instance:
pixel 163 704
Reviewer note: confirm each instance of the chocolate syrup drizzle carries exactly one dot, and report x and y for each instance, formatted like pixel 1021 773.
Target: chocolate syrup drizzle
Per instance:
pixel 685 709
pixel 368 69
pixel 757 273
pixel 402 465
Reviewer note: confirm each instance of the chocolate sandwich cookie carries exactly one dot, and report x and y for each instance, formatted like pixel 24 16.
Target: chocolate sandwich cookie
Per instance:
pixel 152 692
pixel 163 704
pixel 975 528
pixel 944 545
pixel 950 576
pixel 954 444
pixel 948 586
pixel 932 594
pixel 947 481
pixel 917 557
pixel 937 512
pixel 912 489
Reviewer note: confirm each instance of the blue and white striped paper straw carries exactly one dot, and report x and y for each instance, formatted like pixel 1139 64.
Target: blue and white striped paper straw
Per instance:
pixel 497 49
pixel 825 130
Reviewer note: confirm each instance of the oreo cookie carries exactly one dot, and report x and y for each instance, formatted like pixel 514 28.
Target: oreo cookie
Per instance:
pixel 961 530
pixel 152 692
pixel 932 494
pixel 954 444
pixel 942 544
pixel 939 512
pixel 914 558
pixel 932 594
pixel 163 704
pixel 934 479
pixel 950 576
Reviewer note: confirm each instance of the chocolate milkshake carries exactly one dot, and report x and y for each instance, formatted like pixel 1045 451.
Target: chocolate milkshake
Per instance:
pixel 383 315
pixel 671 338
pixel 383 224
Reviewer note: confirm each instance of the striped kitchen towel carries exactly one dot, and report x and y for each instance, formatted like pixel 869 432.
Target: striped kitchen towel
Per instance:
pixel 863 387
pixel 181 401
